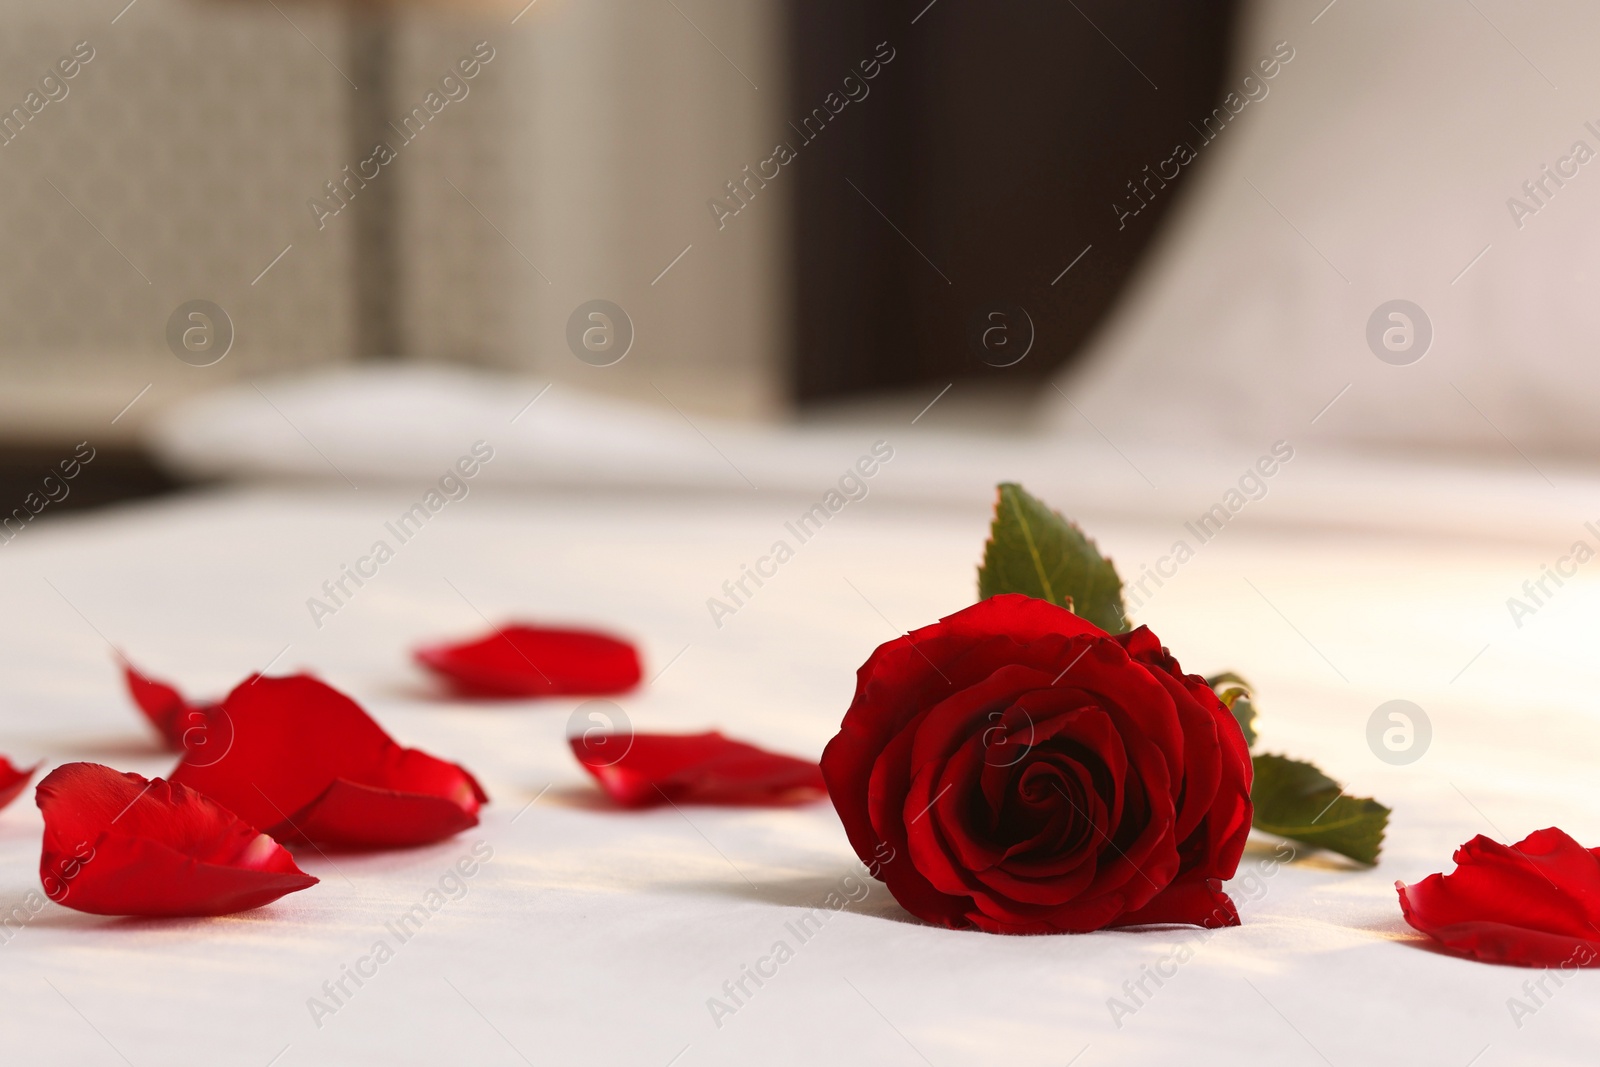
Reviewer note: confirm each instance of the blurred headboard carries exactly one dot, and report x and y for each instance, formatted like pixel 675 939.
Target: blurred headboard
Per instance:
pixel 180 163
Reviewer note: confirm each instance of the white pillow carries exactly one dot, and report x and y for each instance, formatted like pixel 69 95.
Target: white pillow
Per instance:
pixel 1380 165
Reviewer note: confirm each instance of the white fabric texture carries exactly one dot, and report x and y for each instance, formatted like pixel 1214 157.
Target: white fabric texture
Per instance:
pixel 595 936
pixel 405 424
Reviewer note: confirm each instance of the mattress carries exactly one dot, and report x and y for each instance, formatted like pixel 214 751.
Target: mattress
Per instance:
pixel 589 934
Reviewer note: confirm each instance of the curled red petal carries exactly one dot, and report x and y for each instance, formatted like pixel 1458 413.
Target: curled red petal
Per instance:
pixel 696 768
pixel 181 723
pixel 348 815
pixel 1535 903
pixel 162 704
pixel 117 844
pixel 308 763
pixel 533 661
pixel 413 797
pixel 13 780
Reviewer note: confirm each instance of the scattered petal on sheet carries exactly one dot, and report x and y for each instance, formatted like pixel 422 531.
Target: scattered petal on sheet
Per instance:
pixel 161 703
pixel 533 661
pixel 13 780
pixel 639 770
pixel 1535 903
pixel 117 844
pixel 308 763
pixel 183 725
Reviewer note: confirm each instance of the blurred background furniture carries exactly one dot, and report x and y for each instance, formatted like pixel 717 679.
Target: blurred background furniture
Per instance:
pixel 581 165
pixel 181 164
pixel 980 174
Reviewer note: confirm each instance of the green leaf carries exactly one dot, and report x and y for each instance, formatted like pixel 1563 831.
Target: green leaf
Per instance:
pixel 1236 696
pixel 1295 800
pixel 1035 551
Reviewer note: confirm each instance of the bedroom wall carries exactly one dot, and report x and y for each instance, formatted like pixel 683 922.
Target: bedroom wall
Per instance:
pixel 172 168
pixel 180 162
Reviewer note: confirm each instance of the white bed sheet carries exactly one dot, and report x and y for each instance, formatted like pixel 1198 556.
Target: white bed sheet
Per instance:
pixel 594 936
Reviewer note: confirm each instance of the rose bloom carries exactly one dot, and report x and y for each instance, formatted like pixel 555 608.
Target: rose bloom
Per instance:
pixel 1026 772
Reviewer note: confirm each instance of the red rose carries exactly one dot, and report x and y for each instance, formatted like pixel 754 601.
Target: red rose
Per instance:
pixel 1016 769
pixel 1536 903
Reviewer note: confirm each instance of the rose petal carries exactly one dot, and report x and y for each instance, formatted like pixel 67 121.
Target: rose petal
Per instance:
pixel 1535 903
pixel 531 661
pixel 413 797
pixel 163 705
pixel 880 839
pixel 13 780
pixel 697 768
pixel 1215 814
pixel 1191 900
pixel 174 717
pixel 295 739
pixel 349 815
pixel 117 844
pixel 201 729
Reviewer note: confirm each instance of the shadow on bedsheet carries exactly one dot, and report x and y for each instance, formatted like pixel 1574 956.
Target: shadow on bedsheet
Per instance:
pixel 841 890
